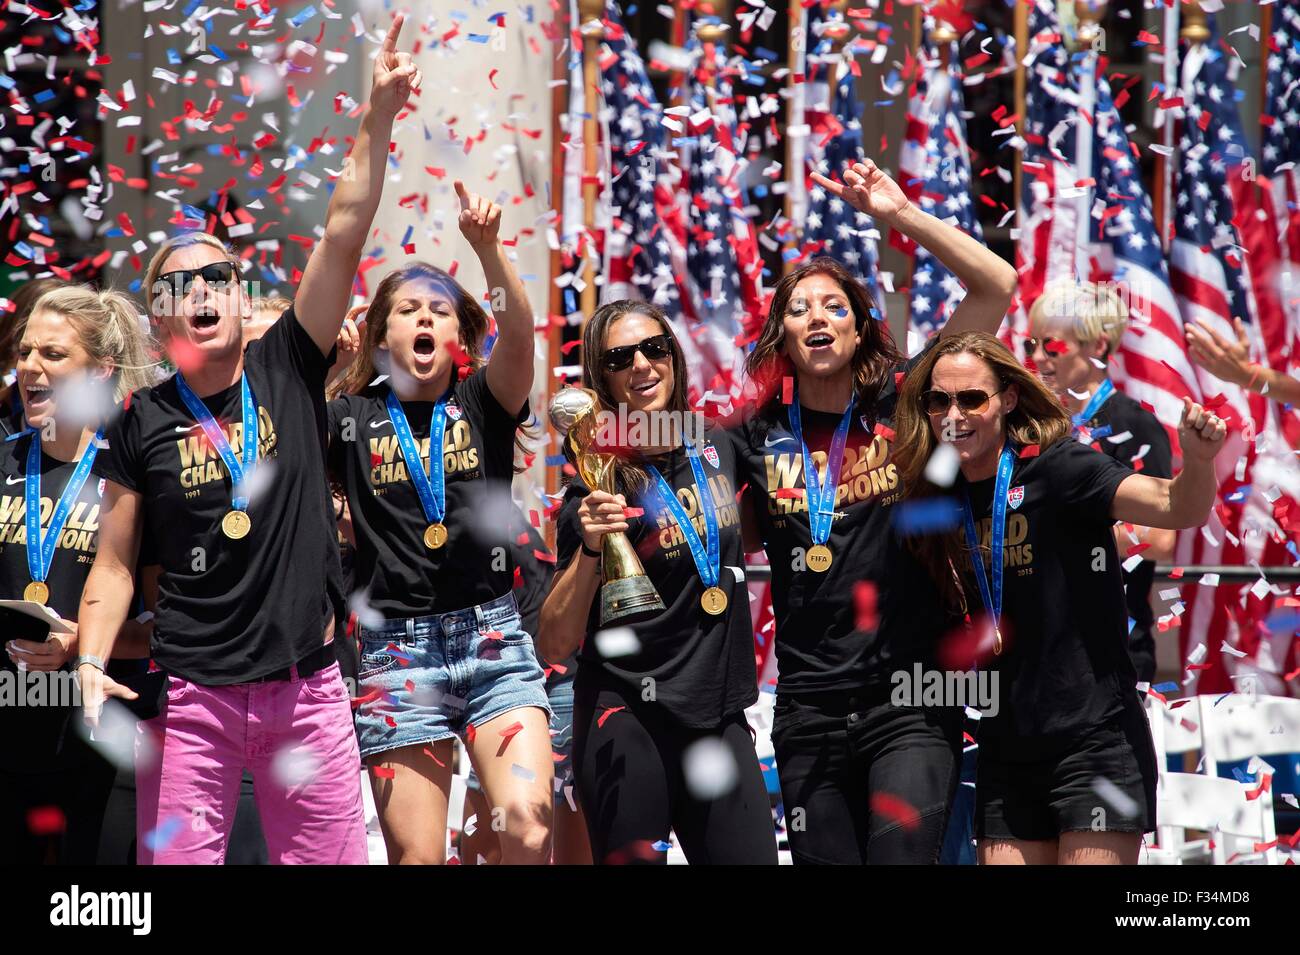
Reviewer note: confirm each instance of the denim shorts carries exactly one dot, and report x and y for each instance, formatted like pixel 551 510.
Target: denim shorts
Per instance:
pixel 426 679
pixel 559 691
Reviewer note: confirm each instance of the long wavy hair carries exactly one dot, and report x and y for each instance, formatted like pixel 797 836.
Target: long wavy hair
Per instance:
pixel 110 328
pixel 873 361
pixel 629 473
pixel 1038 418
pixel 472 322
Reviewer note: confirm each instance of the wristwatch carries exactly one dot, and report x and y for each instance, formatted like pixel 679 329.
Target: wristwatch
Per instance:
pixel 90 658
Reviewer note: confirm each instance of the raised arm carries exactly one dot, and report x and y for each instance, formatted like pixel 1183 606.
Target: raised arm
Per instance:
pixel 562 623
pixel 106 598
pixel 1230 362
pixel 510 369
pixel 1186 500
pixel 990 282
pixel 322 298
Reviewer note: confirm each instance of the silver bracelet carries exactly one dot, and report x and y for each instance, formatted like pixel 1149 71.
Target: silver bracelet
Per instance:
pixel 90 658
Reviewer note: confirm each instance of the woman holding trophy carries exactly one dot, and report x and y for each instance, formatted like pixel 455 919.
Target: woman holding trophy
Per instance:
pixel 666 662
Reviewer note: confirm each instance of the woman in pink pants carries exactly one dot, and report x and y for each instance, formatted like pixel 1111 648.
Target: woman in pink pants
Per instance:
pixel 222 467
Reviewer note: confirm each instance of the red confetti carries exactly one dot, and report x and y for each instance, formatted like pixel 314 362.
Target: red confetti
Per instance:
pixel 46 821
pixel 891 807
pixel 607 714
pixel 1029 451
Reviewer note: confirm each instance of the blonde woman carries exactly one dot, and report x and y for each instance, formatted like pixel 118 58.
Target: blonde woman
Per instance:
pixel 79 353
pixel 223 467
pixel 1075 330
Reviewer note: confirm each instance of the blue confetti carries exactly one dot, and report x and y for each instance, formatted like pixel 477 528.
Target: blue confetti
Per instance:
pixel 44 96
pixel 302 16
pixel 927 516
pixel 1168 687
pixel 662 846
pixel 162 837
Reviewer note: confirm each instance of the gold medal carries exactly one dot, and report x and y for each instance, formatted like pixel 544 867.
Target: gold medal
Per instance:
pixel 714 600
pixel 819 558
pixel 36 592
pixel 236 525
pixel 435 535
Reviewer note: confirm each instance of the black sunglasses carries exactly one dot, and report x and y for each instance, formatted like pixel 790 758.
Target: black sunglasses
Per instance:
pixel 655 349
pixel 180 282
pixel 1052 346
pixel 969 400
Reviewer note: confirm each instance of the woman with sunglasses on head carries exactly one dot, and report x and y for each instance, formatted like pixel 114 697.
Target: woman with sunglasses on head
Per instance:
pixel 80 351
pixel 224 464
pixel 1067 771
pixel 443 649
pixel 862 780
pixel 660 738
pixel 1075 330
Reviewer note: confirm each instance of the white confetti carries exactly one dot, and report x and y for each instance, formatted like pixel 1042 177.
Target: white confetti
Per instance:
pixel 617 642
pixel 941 469
pixel 709 768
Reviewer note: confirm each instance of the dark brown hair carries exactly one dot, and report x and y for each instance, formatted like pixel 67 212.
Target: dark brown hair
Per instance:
pixel 470 316
pixel 1038 418
pixel 630 475
pixel 876 355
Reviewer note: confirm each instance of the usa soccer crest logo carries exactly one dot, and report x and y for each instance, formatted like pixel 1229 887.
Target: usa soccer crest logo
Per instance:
pixel 453 412
pixel 711 455
pixel 1015 496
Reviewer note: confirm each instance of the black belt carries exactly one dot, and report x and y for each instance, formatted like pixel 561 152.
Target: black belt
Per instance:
pixel 312 663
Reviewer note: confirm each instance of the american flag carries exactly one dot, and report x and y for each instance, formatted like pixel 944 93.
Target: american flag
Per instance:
pixel 1210 268
pixel 1151 365
pixel 935 170
pixel 832 226
pixel 646 252
pixel 1280 154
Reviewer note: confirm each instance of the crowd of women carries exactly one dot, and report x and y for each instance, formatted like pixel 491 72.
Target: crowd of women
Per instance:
pixel 966 496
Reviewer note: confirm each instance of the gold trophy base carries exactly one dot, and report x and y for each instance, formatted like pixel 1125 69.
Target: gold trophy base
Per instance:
pixel 626 597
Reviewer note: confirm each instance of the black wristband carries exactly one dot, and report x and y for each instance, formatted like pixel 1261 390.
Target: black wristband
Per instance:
pixel 588 551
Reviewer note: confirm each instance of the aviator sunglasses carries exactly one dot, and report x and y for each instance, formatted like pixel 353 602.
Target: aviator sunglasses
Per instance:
pixel 969 400
pixel 180 282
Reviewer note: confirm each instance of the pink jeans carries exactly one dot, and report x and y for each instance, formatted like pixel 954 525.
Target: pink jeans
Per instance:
pixel 295 737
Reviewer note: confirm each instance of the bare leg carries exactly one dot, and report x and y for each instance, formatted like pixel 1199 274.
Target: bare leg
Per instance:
pixel 1086 847
pixel 516 774
pixel 412 803
pixel 1016 852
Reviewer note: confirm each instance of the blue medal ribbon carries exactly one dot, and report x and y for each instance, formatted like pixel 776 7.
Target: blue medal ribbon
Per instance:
pixel 40 552
pixel 821 497
pixel 993 600
pixel 1099 398
pixel 707 560
pixel 430 487
pixel 239 471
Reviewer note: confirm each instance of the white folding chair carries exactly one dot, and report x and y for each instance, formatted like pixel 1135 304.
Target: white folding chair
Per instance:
pixel 1221 807
pixel 1241 725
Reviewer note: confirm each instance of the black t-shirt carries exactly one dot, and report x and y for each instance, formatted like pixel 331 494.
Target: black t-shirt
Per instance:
pixel 403 577
pixel 31 735
pixel 818 647
pixel 1065 667
pixel 1121 415
pixel 230 611
pixel 702 666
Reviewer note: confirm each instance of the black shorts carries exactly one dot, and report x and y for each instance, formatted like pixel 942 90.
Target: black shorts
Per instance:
pixel 1040 799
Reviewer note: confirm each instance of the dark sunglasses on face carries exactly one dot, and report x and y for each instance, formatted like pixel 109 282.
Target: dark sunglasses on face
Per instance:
pixel 1052 346
pixel 655 349
pixel 969 400
pixel 179 283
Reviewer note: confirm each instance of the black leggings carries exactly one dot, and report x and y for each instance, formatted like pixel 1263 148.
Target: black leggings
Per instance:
pixel 864 781
pixel 633 788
